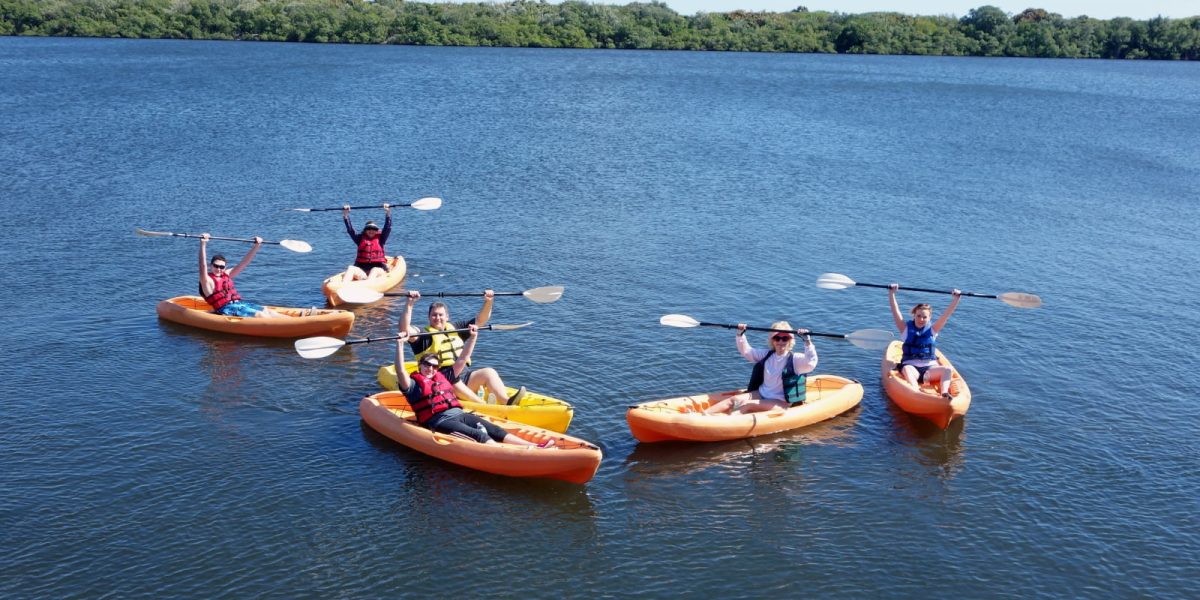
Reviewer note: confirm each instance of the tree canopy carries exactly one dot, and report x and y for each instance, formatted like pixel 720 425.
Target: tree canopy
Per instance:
pixel 983 31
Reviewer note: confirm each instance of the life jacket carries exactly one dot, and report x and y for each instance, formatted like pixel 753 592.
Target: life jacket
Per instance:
pixel 447 347
pixel 794 386
pixel 223 291
pixel 370 250
pixel 918 343
pixel 437 395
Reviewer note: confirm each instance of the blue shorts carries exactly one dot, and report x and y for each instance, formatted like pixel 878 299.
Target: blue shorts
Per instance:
pixel 240 308
pixel 920 371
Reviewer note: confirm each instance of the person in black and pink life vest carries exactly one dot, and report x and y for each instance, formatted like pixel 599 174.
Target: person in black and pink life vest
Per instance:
pixel 216 284
pixel 430 393
pixel 919 363
pixel 370 262
pixel 447 347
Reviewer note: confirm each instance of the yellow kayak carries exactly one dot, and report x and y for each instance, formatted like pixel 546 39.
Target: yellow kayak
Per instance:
pixel 683 418
pixel 534 409
pixel 397 268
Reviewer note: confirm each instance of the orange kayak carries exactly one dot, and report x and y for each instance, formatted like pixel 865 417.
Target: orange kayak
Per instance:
pixel 194 311
pixel 924 401
pixel 397 268
pixel 682 418
pixel 570 459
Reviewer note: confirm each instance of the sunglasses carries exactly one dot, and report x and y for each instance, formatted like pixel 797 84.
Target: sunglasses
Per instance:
pixel 782 338
pixel 216 266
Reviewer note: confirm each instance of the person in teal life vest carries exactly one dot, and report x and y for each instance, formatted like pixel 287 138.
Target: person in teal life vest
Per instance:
pixel 448 347
pixel 919 362
pixel 371 261
pixel 778 378
pixel 216 284
pixel 430 393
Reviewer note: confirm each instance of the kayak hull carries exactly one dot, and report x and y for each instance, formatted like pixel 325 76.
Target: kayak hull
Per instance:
pixel 194 311
pixel 397 269
pixel 925 401
pixel 570 459
pixel 534 409
pixel 682 418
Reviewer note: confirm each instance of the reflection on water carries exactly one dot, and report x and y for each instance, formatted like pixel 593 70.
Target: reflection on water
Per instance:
pixel 940 450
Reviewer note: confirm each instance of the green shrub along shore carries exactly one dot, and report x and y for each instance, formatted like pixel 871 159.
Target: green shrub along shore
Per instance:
pixel 983 31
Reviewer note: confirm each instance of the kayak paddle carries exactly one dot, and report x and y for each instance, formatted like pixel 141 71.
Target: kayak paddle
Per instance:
pixel 357 294
pixel 871 339
pixel 293 245
pixel 837 281
pixel 427 203
pixel 320 347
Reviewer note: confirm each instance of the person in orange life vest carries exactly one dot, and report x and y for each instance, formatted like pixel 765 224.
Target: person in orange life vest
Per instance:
pixel 447 347
pixel 431 395
pixel 777 381
pixel 919 363
pixel 216 285
pixel 370 262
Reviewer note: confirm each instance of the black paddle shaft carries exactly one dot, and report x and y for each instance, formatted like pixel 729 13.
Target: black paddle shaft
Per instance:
pixel 913 289
pixel 455 294
pixel 748 328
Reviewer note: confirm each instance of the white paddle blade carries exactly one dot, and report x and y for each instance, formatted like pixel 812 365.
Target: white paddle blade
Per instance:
pixel 296 245
pixel 299 209
pixel 511 327
pixel 834 281
pixel 678 321
pixel 318 347
pixel 357 294
pixel 544 295
pixel 141 231
pixel 1020 299
pixel 428 203
pixel 871 339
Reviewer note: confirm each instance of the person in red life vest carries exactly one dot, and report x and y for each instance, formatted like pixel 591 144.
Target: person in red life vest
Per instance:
pixel 216 284
pixel 779 375
pixel 430 393
pixel 370 262
pixel 919 362
pixel 447 347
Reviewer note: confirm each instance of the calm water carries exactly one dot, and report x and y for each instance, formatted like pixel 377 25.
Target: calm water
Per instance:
pixel 145 459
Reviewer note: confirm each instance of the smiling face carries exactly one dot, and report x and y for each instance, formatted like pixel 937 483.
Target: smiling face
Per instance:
pixel 217 265
pixel 428 366
pixel 439 315
pixel 921 314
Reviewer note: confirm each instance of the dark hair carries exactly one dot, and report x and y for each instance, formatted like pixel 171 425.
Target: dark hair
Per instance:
pixel 217 257
pixel 437 305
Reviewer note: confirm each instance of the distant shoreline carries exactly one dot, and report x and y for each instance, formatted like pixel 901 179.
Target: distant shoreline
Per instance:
pixel 983 31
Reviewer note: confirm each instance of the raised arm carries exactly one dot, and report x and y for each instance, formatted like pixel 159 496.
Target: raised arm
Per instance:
pixel 485 312
pixel 246 259
pixel 206 282
pixel 468 348
pixel 387 224
pixel 406 316
pixel 937 327
pixel 897 316
pixel 402 377
pixel 743 345
pixel 807 361
pixel 349 228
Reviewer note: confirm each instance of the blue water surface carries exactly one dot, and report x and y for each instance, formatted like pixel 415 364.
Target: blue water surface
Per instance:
pixel 142 458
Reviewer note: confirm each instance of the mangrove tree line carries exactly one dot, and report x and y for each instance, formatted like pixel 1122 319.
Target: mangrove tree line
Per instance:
pixel 983 31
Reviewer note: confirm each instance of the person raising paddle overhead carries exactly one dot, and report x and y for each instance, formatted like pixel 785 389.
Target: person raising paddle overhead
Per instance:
pixel 919 363
pixel 778 378
pixel 371 261
pixel 216 285
pixel 430 393
pixel 448 347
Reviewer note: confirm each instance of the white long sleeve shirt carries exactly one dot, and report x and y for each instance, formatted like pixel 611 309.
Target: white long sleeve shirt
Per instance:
pixel 772 385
